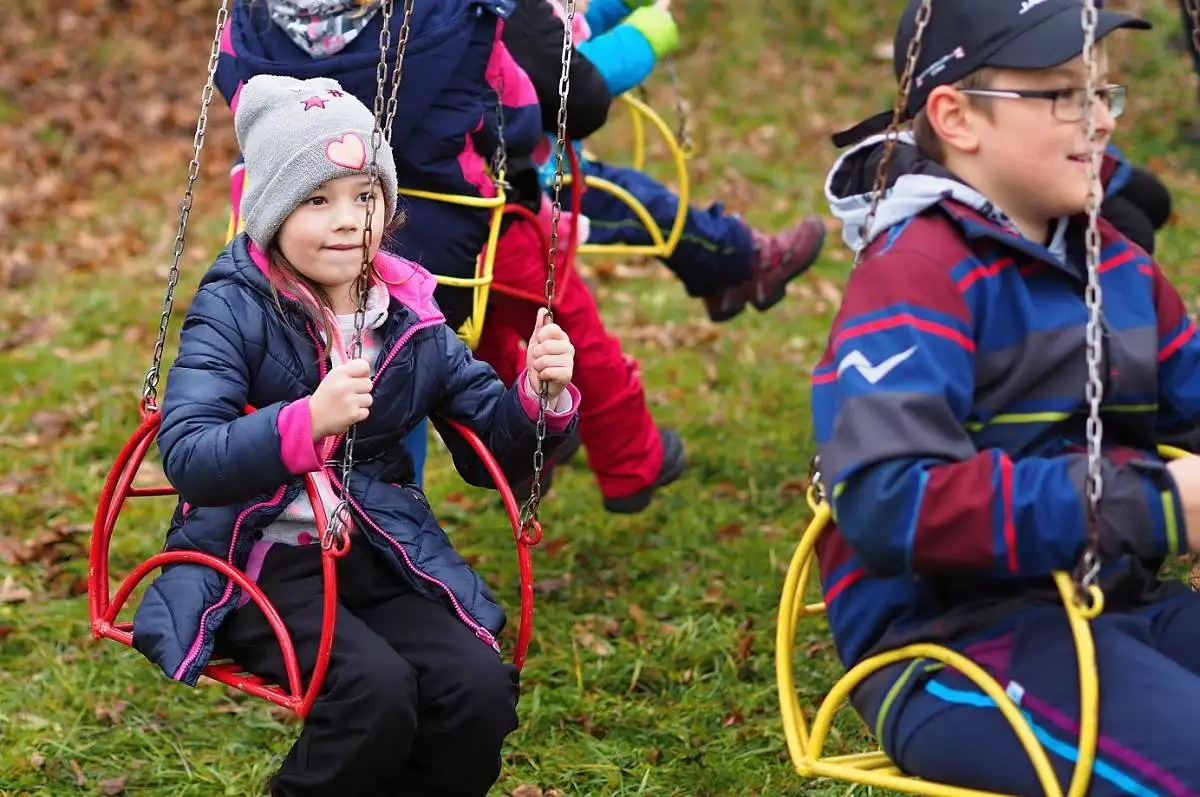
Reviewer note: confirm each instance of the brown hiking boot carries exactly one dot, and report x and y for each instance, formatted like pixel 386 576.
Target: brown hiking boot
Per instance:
pixel 777 260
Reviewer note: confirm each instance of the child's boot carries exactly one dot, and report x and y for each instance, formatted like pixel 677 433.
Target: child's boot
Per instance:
pixel 777 260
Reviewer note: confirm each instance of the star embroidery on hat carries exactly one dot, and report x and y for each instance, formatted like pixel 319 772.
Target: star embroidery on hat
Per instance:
pixel 314 102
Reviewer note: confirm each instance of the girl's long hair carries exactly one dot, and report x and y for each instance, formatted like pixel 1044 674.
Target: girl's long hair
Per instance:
pixel 287 280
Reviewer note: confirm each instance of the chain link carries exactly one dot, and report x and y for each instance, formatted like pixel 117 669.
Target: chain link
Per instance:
pixel 1193 10
pixel 529 513
pixel 338 528
pixel 1089 564
pixel 499 163
pixel 150 386
pixel 683 112
pixel 904 88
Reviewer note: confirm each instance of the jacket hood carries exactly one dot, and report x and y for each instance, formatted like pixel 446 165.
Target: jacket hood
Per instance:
pixel 915 184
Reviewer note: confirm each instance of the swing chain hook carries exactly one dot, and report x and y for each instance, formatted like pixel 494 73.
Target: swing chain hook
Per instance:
pixel 904 88
pixel 1088 570
pixel 529 512
pixel 816 483
pixel 150 386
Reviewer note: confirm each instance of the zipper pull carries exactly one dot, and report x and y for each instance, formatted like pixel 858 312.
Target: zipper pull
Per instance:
pixel 487 637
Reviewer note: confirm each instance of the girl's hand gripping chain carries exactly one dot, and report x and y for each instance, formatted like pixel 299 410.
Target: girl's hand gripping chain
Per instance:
pixel 550 358
pixel 342 399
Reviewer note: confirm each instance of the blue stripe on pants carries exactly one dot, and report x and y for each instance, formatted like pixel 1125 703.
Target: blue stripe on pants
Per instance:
pixel 941 727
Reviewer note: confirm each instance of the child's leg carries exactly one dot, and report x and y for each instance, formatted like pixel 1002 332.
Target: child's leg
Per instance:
pixel 713 253
pixel 719 257
pixel 939 726
pixel 356 739
pixel 626 451
pixel 1175 625
pixel 468 697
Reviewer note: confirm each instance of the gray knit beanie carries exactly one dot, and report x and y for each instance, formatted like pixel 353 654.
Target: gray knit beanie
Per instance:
pixel 295 135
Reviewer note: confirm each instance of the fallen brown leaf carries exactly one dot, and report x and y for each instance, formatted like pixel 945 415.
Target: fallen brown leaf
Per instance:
pixel 589 641
pixel 527 790
pixel 111 714
pixel 77 771
pixel 730 531
pixel 10 592
pixel 114 785
pixel 638 615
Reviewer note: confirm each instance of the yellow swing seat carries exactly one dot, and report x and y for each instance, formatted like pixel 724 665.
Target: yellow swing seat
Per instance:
pixel 481 284
pixel 642 115
pixel 874 768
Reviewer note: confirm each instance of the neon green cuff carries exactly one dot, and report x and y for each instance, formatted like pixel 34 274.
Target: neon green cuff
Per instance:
pixel 659 28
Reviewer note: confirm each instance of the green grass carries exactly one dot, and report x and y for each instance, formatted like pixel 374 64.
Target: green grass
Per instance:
pixel 652 670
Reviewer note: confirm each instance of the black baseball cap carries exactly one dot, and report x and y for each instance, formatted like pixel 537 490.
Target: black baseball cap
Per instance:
pixel 964 36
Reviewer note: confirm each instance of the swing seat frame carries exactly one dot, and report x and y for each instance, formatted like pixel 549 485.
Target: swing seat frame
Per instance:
pixel 873 768
pixel 642 116
pixel 104 607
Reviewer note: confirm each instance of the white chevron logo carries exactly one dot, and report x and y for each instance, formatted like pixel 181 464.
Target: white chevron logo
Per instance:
pixel 872 373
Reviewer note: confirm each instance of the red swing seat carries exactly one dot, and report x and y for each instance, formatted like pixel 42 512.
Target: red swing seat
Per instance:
pixel 104 607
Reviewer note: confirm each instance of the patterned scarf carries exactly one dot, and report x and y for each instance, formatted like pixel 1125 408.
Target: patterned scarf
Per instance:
pixel 322 27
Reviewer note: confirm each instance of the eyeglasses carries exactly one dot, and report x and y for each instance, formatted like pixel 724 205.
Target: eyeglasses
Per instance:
pixel 1069 105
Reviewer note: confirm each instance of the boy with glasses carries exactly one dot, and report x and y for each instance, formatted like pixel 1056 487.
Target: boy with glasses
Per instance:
pixel 950 412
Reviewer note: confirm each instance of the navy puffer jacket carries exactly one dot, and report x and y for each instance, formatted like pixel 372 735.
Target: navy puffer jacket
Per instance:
pixel 237 348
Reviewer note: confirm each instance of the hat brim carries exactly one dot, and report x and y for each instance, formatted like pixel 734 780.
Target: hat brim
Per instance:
pixel 1057 39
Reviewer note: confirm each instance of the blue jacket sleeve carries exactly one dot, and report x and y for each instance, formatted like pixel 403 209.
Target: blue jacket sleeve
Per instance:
pixel 623 56
pixel 213 453
pixel 604 15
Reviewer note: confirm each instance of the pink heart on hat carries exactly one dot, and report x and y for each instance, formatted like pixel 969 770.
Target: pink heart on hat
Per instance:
pixel 349 151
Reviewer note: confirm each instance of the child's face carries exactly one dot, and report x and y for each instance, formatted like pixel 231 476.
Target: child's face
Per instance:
pixel 1034 150
pixel 323 237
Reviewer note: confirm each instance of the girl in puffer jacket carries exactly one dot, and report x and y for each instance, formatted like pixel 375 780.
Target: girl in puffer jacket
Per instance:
pixel 416 699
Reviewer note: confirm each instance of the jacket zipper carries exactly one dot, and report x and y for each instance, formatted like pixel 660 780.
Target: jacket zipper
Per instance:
pixel 481 632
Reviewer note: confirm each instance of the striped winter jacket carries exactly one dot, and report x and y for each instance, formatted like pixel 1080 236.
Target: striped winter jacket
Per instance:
pixel 949 412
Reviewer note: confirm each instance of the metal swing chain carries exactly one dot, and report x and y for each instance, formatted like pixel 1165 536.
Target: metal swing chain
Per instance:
pixel 529 513
pixel 1089 563
pixel 499 161
pixel 903 89
pixel 1193 10
pixel 683 112
pixel 337 530
pixel 150 386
